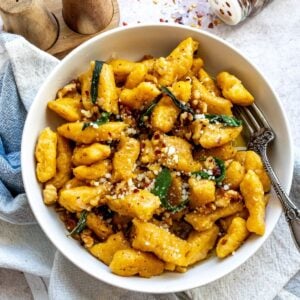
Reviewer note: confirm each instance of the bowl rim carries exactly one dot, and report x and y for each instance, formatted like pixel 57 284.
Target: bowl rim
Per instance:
pixel 68 58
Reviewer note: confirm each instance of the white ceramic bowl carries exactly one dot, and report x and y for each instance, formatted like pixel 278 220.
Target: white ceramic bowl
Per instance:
pixel 133 43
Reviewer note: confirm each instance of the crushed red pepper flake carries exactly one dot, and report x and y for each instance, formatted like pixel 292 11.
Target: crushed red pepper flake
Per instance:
pixel 193 13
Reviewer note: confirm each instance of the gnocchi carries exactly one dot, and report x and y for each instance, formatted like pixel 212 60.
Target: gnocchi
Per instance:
pixel 145 168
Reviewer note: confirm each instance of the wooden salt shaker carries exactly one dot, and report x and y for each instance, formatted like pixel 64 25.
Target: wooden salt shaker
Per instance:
pixel 89 16
pixel 31 19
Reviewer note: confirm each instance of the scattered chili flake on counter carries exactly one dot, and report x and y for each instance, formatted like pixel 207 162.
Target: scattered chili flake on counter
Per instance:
pixel 193 13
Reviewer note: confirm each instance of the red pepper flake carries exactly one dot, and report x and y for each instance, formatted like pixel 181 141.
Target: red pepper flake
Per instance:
pixel 178 20
pixel 125 23
pixel 210 25
pixel 224 241
pixel 70 224
pixel 216 172
pixel 156 136
pixel 161 20
pixel 146 185
pixel 157 152
pixel 199 14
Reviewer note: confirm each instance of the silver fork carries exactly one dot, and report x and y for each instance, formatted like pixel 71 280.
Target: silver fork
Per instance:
pixel 261 134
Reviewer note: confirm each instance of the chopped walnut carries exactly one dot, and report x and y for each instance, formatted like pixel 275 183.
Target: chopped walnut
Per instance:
pixel 210 163
pixel 85 236
pixel 71 87
pixel 223 199
pixel 50 194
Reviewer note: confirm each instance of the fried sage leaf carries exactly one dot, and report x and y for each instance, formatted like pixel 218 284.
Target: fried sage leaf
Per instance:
pixel 104 118
pixel 81 223
pixel 161 188
pixel 147 112
pixel 95 80
pixel 177 102
pixel 227 121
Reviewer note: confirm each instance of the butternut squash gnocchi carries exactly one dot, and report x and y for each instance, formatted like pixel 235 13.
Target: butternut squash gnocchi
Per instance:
pixel 145 169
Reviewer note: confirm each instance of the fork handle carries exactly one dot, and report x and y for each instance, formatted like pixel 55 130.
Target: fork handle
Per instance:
pixel 292 213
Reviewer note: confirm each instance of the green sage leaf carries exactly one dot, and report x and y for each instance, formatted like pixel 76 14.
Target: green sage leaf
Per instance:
pixel 227 121
pixel 81 223
pixel 177 102
pixel 147 112
pixel 95 80
pixel 104 118
pixel 161 188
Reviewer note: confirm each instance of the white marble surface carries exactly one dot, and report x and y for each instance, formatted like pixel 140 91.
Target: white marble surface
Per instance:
pixel 271 40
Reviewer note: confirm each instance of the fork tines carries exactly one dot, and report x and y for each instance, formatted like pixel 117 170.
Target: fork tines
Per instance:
pixel 252 117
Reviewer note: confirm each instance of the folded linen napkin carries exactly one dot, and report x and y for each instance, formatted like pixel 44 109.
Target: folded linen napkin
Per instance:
pixel 24 247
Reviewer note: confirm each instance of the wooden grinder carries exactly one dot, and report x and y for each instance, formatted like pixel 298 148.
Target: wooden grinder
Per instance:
pixel 31 19
pixel 89 16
